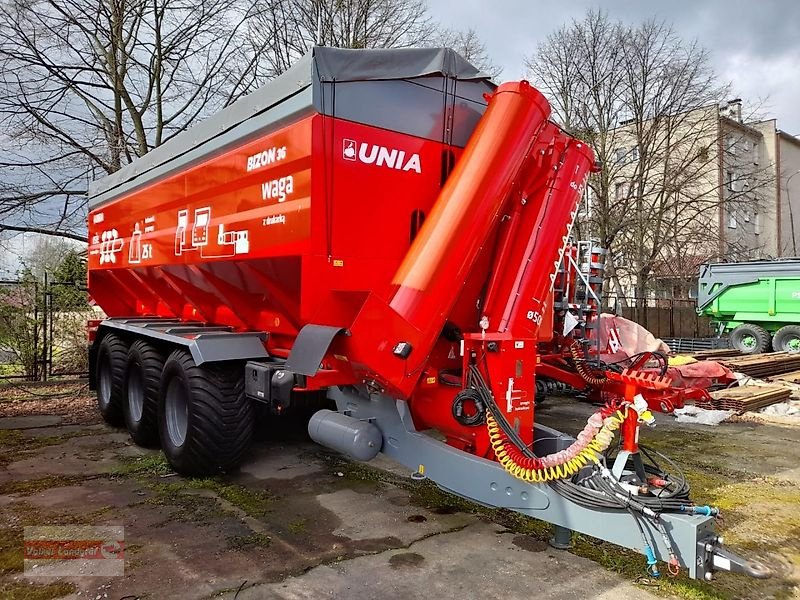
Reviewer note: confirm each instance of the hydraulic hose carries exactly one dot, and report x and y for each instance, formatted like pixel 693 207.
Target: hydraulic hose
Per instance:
pixel 582 368
pixel 589 447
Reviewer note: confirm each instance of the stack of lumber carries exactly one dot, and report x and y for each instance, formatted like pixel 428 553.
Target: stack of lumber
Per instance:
pixel 715 354
pixel 764 365
pixel 791 377
pixel 747 398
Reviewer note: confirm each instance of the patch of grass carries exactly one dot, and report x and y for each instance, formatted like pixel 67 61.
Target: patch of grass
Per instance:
pixel 11 438
pixel 10 551
pixel 297 527
pixel 29 591
pixel 258 540
pixel 151 465
pixel 254 502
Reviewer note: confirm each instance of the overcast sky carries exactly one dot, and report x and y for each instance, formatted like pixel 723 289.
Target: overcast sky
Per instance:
pixel 755 44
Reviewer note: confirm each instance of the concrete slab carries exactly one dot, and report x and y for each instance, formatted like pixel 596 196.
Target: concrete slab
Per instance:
pixel 278 462
pixel 32 422
pixel 327 531
pixel 477 562
pixel 77 456
pixel 384 515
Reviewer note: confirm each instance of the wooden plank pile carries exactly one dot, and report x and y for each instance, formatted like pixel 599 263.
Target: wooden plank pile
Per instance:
pixel 764 365
pixel 791 377
pixel 715 354
pixel 747 398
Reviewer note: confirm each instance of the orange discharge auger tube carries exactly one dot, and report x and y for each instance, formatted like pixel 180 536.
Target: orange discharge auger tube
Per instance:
pixel 443 254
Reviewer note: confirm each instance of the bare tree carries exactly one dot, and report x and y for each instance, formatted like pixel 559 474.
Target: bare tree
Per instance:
pixel 87 86
pixel 648 102
pixel 471 47
pixel 287 29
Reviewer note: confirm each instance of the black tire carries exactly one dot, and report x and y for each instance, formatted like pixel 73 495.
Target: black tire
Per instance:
pixel 787 339
pixel 112 355
pixel 142 381
pixel 750 339
pixel 205 421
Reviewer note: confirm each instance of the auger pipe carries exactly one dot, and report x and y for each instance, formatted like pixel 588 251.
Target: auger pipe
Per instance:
pixel 548 241
pixel 428 281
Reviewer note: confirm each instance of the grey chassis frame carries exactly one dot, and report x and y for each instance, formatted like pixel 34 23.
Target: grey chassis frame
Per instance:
pixel 486 482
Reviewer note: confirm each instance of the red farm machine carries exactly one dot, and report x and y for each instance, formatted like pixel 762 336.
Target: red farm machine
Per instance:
pixel 385 229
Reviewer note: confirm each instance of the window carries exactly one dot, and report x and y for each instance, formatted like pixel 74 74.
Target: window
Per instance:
pixel 746 216
pixel 734 181
pixel 626 155
pixel 757 223
pixel 730 145
pixel 756 155
pixel 620 191
pixel 732 221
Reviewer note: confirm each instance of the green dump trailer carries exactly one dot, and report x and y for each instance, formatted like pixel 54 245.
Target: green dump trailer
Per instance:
pixel 757 303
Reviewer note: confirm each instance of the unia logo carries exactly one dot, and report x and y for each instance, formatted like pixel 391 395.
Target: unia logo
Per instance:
pixel 380 156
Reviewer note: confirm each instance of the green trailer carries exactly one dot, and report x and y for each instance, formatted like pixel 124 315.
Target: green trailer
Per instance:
pixel 757 303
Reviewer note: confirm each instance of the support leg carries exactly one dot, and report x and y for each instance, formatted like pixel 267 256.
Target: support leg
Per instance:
pixel 562 538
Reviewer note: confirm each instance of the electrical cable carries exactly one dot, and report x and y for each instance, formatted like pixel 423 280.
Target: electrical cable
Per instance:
pixel 521 462
pixel 579 473
pixel 460 415
pixel 588 491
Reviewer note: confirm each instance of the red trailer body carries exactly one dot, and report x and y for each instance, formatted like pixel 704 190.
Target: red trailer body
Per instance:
pixel 386 227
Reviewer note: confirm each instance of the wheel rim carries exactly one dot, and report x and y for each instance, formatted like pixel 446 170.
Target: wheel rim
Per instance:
pixel 749 341
pixel 135 394
pixel 176 411
pixel 104 384
pixel 793 344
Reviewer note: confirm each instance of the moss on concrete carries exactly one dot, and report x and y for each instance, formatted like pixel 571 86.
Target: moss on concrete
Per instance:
pixel 255 503
pixel 27 591
pixel 297 527
pixel 10 550
pixel 257 540
pixel 150 470
pixel 15 445
pixel 150 465
pixel 34 486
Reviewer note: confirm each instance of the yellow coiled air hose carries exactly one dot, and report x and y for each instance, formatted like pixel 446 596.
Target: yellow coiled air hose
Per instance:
pixel 577 456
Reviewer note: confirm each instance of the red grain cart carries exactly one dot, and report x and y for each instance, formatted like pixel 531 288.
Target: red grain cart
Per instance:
pixel 382 228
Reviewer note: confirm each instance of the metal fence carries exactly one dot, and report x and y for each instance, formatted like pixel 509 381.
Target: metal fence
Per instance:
pixel 43 329
pixel 664 318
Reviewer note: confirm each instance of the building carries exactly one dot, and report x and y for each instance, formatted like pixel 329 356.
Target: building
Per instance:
pixel 715 187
